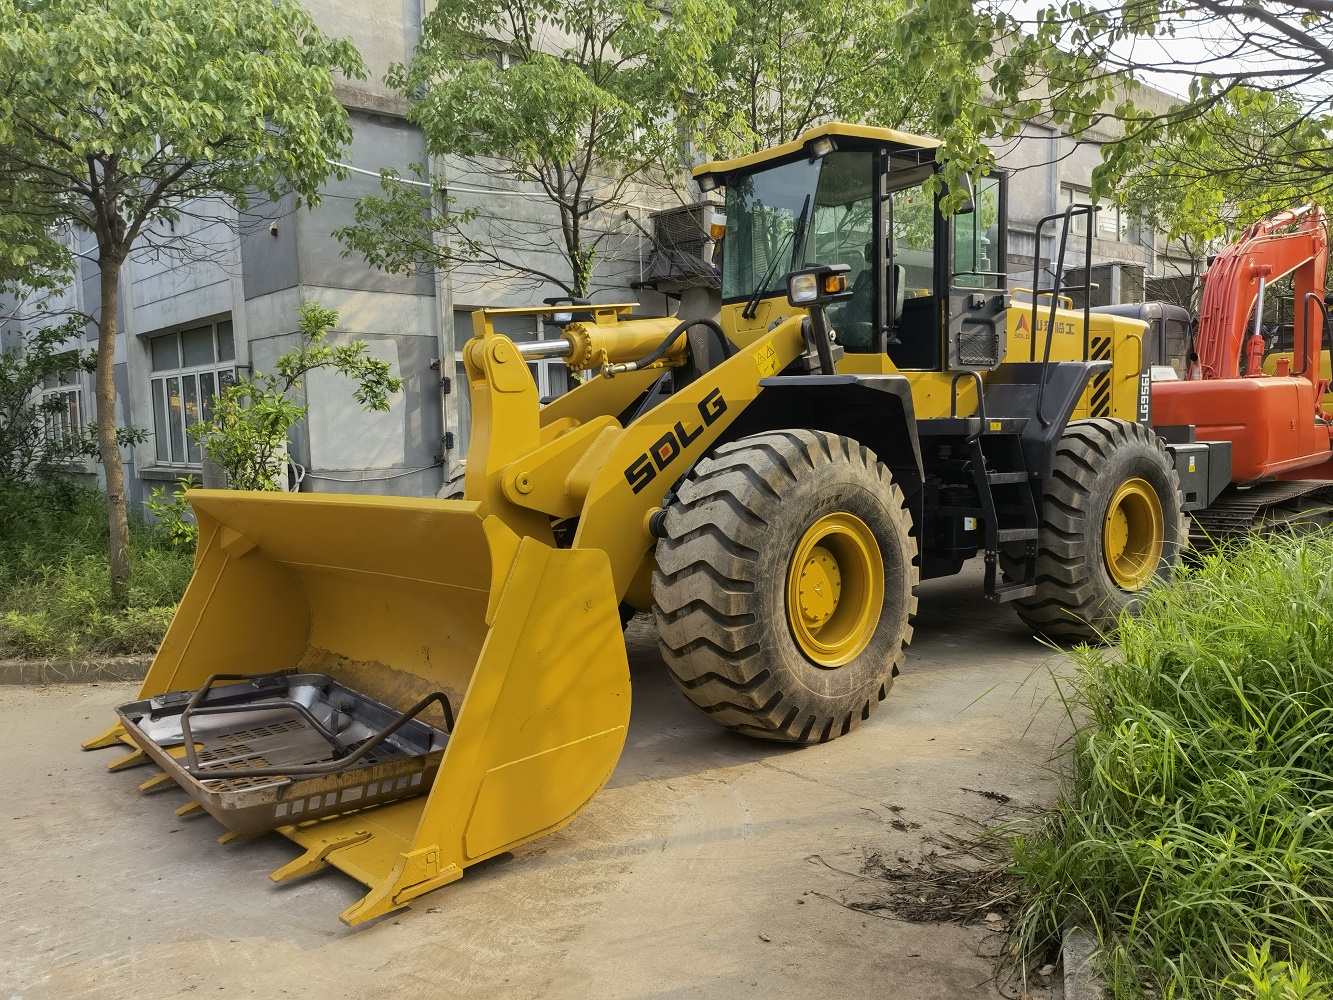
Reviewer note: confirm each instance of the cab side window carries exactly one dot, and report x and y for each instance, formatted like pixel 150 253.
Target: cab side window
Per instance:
pixel 914 336
pixel 976 240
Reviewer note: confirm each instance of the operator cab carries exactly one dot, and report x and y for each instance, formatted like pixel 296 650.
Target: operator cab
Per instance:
pixel 857 195
pixel 1168 339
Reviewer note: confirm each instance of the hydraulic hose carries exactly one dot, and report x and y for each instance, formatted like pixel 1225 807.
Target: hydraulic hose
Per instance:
pixel 610 371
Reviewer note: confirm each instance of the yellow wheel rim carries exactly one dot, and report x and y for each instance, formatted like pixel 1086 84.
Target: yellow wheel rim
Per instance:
pixel 1132 536
pixel 835 589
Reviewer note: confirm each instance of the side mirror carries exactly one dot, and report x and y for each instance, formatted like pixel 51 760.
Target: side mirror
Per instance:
pixel 969 204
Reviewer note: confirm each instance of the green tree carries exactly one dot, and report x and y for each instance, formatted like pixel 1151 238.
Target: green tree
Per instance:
pixel 118 114
pixel 1249 132
pixel 248 429
pixel 411 227
pixel 583 99
pixel 1203 181
pixel 791 64
pixel 32 256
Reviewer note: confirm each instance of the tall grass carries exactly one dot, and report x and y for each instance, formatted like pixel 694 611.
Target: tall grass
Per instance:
pixel 1193 833
pixel 55 578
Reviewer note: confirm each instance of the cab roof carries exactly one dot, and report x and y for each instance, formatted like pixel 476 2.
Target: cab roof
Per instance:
pixel 889 138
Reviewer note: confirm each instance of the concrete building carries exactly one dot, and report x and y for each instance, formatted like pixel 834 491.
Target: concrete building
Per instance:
pixel 1046 171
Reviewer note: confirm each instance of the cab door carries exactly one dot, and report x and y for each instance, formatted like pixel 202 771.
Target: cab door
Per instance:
pixel 913 264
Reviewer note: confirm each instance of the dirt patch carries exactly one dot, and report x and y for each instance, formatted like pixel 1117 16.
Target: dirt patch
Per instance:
pixel 954 881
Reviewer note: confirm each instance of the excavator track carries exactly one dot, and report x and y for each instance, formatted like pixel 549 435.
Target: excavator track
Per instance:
pixel 1267 506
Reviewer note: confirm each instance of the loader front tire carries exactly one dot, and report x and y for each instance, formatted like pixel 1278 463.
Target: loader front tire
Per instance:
pixel 1111 524
pixel 785 584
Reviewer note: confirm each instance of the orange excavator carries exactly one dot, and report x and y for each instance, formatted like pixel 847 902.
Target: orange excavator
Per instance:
pixel 1281 464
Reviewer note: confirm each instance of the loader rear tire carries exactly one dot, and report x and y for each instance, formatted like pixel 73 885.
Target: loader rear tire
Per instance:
pixel 1113 484
pixel 452 488
pixel 785 585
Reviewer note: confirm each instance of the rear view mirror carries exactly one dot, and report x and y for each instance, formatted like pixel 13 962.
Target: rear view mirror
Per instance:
pixel 969 204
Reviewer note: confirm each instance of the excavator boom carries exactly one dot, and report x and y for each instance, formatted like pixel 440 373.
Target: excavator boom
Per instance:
pixel 1292 241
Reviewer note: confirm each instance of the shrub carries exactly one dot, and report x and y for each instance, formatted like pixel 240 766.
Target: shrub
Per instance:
pixel 1193 832
pixel 55 579
pixel 247 432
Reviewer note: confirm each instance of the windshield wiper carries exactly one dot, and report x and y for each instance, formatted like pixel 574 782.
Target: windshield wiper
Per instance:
pixel 793 238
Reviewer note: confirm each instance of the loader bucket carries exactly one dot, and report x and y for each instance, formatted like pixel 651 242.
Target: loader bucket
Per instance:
pixel 396 599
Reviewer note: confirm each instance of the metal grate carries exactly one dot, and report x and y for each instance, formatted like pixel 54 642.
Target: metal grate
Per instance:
pixel 272 744
pixel 279 748
pixel 979 345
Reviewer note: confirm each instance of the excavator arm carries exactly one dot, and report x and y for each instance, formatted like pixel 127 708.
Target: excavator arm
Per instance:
pixel 1292 241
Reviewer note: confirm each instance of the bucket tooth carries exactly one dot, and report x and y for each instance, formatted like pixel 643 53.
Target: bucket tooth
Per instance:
pixel 189 809
pixel 156 782
pixel 133 759
pixel 107 739
pixel 415 873
pixel 232 836
pixel 316 855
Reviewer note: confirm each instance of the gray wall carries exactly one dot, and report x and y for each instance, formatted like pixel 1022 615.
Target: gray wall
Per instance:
pixel 1040 162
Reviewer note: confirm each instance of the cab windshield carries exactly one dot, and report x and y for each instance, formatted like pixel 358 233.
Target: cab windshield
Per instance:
pixel 762 213
pixel 794 216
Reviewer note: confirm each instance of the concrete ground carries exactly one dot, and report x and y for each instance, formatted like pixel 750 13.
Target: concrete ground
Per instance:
pixel 707 868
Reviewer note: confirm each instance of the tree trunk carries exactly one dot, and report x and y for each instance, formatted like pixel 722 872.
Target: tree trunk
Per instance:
pixel 117 518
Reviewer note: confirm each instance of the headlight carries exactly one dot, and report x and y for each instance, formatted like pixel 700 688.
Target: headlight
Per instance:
pixel 818 285
pixel 819 148
pixel 802 288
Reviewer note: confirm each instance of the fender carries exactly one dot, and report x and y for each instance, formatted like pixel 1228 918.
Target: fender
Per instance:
pixel 875 410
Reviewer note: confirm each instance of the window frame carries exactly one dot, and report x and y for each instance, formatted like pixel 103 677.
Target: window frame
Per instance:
pixel 996 279
pixel 1078 226
pixel 173 430
pixel 1072 194
pixel 59 425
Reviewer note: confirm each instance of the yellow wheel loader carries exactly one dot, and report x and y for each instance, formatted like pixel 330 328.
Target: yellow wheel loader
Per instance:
pixel 405 687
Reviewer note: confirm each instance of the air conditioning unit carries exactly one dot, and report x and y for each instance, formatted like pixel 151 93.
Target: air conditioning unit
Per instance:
pixel 683 248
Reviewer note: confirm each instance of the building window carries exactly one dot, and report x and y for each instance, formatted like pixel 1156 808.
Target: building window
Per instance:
pixel 64 418
pixel 1071 195
pixel 190 367
pixel 1111 224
